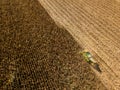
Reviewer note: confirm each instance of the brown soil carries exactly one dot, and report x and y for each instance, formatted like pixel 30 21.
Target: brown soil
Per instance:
pixel 35 54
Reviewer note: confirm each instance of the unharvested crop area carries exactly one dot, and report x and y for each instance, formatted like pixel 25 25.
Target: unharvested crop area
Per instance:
pixel 35 54
pixel 95 25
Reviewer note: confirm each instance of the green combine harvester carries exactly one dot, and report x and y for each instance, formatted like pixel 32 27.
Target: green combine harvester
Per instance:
pixel 89 59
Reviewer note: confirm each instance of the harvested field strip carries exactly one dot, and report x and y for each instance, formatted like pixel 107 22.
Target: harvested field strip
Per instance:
pixel 101 13
pixel 106 5
pixel 102 30
pixel 109 17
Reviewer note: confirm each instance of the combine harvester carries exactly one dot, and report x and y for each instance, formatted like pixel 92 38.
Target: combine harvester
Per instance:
pixel 89 59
